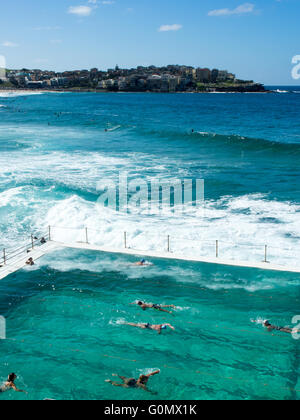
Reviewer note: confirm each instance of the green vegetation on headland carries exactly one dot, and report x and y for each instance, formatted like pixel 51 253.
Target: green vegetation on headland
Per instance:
pixel 173 78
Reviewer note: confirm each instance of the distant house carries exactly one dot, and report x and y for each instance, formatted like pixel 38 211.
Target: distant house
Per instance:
pixel 203 75
pixel 154 82
pixel 222 76
pixel 59 81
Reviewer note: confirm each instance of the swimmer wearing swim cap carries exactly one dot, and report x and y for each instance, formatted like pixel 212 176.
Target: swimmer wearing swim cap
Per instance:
pixel 271 328
pixel 152 327
pixel 141 263
pixel 267 324
pixel 144 306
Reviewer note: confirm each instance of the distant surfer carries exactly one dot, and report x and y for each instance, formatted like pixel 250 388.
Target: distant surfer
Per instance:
pixel 144 306
pixel 10 384
pixel 133 383
pixel 159 328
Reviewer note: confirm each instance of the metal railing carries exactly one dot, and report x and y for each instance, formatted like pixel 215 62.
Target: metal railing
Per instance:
pixel 204 248
pixel 216 248
pixel 8 255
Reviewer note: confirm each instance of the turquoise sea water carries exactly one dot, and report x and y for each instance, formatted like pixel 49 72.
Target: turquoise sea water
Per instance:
pixel 65 317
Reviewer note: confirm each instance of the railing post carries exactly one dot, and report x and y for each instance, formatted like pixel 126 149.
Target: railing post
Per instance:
pixel 32 242
pixel 266 253
pixel 86 236
pixel 125 240
pixel 49 228
pixel 169 243
pixel 4 256
pixel 217 249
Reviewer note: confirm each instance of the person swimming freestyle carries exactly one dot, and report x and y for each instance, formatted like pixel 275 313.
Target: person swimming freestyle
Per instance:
pixel 10 384
pixel 145 306
pixel 271 328
pixel 159 328
pixel 141 263
pixel 133 383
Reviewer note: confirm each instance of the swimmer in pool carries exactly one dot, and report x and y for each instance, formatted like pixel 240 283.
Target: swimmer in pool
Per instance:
pixel 145 306
pixel 152 327
pixel 141 263
pixel 271 328
pixel 133 383
pixel 10 384
pixel 30 262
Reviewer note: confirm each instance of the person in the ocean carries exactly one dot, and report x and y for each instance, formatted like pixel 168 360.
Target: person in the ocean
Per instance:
pixel 145 306
pixel 43 241
pixel 30 261
pixel 159 328
pixel 10 384
pixel 133 383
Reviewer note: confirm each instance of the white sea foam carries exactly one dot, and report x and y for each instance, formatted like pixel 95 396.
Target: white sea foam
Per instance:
pixel 16 93
pixel 9 196
pixel 259 321
pixel 243 224
pixel 281 91
pixel 242 236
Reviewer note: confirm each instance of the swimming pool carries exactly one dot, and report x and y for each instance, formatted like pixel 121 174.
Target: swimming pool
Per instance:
pixel 66 332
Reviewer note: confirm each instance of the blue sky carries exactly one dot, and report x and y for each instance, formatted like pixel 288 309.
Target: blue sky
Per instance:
pixel 255 39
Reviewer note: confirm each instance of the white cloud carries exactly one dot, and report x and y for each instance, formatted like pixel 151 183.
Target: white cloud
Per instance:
pixel 9 44
pixel 240 10
pixel 168 28
pixel 81 11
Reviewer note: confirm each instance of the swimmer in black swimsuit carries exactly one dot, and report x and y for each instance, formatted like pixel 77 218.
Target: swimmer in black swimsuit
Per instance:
pixel 157 328
pixel 133 383
pixel 271 328
pixel 144 306
pixel 10 384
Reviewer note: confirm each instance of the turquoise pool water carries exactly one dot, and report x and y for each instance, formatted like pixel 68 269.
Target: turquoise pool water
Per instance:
pixel 66 331
pixel 65 316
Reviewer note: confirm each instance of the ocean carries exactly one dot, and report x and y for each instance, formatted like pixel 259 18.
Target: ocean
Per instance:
pixel 66 331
